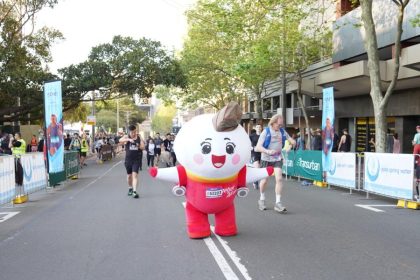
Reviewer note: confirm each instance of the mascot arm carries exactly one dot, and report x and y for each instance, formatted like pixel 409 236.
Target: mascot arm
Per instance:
pixel 172 174
pixel 256 174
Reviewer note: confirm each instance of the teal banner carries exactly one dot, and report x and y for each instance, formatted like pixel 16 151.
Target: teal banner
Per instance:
pixel 289 163
pixel 71 163
pixel 308 164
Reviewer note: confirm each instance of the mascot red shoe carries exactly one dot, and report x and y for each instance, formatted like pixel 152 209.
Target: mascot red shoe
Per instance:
pixel 213 151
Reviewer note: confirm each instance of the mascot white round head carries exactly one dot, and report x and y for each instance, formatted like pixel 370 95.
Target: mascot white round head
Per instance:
pixel 214 146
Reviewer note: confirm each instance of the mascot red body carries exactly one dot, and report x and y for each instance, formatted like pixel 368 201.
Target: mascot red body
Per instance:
pixel 213 151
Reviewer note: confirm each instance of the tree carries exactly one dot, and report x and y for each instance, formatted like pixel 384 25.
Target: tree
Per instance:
pixel 22 55
pixel 137 66
pixel 207 57
pixel 162 121
pixel 379 98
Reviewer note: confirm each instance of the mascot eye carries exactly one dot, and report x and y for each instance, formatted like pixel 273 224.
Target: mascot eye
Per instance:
pixel 230 148
pixel 206 148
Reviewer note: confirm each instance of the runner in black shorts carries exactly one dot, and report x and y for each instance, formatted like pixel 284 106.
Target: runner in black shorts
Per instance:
pixel 133 155
pixel 158 142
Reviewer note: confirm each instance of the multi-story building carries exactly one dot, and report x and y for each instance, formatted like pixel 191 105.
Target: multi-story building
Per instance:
pixel 347 71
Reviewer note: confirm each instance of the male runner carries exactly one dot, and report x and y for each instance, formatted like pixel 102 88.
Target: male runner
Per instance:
pixel 134 146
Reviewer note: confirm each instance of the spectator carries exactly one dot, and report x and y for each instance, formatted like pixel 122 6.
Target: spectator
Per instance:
pixel 67 142
pixel 396 149
pixel 416 139
pixel 345 142
pixel 34 144
pixel 255 156
pixel 389 142
pixel 317 140
pixel 416 152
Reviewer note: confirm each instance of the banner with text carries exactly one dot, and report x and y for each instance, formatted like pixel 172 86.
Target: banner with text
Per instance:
pixel 54 126
pixel 308 164
pixel 34 172
pixel 327 126
pixel 389 174
pixel 289 163
pixel 342 171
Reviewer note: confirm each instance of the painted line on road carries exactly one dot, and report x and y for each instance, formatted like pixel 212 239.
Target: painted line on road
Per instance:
pixel 233 256
pixel 221 260
pixel 7 215
pixel 372 207
pixel 94 181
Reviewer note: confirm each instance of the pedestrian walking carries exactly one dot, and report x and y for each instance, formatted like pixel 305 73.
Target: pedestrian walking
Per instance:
pixel 150 149
pixel 270 145
pixel 134 146
pixel 84 148
pixel 158 142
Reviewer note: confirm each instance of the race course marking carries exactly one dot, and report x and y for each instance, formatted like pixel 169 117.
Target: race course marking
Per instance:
pixel 221 260
pixel 371 208
pixel 4 216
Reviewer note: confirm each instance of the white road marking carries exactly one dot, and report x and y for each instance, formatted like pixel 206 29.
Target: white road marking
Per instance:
pixel 221 260
pixel 94 181
pixel 371 208
pixel 233 256
pixel 7 215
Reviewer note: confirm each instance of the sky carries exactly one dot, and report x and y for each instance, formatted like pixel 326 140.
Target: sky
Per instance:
pixel 88 23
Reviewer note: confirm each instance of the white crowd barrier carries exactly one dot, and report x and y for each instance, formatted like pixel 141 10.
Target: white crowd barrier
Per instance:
pixel 342 170
pixel 7 179
pixel 389 174
pixel 34 172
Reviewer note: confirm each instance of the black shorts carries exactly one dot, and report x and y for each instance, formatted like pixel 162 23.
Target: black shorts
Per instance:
pixel 158 151
pixel 275 164
pixel 83 154
pixel 132 166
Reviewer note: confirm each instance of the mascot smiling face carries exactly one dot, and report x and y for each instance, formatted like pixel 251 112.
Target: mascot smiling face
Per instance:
pixel 209 153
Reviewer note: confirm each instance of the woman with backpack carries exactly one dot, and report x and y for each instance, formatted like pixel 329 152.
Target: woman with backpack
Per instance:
pixel 270 145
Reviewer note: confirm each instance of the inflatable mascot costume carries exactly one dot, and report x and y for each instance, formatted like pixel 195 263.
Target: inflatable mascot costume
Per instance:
pixel 213 151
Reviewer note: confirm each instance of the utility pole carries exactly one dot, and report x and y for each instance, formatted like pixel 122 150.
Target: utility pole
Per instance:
pixel 93 125
pixel 118 114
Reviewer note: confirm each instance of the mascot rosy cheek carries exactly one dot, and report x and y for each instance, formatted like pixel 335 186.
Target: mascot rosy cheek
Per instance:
pixel 213 151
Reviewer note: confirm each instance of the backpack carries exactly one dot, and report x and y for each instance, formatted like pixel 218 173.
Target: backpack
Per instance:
pixel 268 137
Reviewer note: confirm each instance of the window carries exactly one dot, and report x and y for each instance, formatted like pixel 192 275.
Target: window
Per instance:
pixel 252 106
pixel 276 102
pixel 267 104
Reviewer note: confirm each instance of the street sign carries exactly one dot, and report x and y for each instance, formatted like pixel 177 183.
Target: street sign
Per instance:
pixel 91 120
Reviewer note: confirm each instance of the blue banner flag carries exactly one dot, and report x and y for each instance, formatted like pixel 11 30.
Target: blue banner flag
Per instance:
pixel 327 127
pixel 54 126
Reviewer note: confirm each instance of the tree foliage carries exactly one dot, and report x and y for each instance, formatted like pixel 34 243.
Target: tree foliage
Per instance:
pixel 162 121
pixel 23 53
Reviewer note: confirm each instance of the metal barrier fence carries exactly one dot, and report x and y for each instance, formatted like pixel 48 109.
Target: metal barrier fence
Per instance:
pixel 385 174
pixel 7 179
pixel 28 174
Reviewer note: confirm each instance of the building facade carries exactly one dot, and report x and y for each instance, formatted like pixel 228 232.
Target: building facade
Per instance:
pixel 347 71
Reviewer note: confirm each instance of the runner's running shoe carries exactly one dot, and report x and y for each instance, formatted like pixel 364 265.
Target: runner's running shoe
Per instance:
pixel 261 205
pixel 279 208
pixel 130 191
pixel 135 194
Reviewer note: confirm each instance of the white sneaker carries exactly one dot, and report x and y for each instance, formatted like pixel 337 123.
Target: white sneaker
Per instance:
pixel 261 205
pixel 279 208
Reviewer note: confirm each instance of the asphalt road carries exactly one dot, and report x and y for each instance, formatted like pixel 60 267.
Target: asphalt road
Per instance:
pixel 90 229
